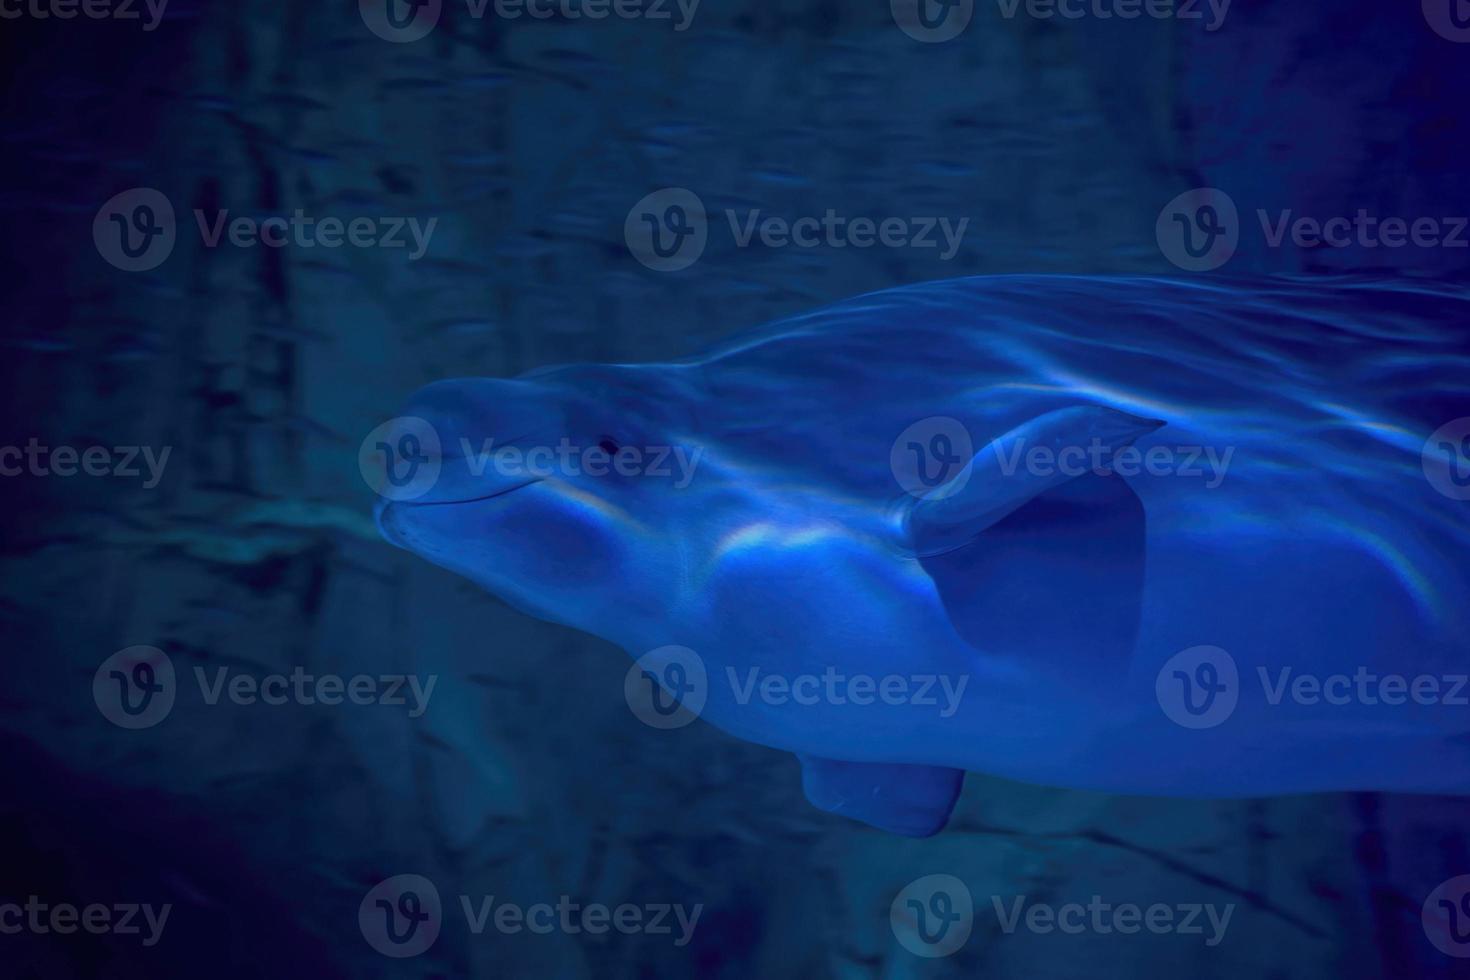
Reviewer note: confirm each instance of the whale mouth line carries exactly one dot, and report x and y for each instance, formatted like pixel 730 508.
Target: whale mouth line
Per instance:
pixel 474 500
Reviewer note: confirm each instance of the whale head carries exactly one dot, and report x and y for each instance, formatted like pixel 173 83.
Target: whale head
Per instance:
pixel 560 492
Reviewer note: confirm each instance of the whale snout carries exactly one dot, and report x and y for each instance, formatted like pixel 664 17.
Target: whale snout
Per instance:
pixel 462 434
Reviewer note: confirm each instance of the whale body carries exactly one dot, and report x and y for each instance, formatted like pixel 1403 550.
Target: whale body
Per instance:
pixel 1136 535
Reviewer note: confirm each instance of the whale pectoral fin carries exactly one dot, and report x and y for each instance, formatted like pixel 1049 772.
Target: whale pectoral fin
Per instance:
pixel 1056 588
pixel 903 799
pixel 1002 477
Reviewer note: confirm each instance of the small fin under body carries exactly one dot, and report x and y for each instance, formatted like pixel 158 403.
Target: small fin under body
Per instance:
pixel 903 799
pixel 999 481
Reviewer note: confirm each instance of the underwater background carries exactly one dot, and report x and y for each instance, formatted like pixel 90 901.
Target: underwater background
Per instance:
pixel 529 142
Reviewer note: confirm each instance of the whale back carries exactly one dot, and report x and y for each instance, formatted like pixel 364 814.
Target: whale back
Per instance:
pixel 1343 377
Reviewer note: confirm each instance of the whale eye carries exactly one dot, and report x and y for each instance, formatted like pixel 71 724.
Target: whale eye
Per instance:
pixel 608 446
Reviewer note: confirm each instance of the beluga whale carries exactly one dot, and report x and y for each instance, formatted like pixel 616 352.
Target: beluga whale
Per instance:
pixel 1143 536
